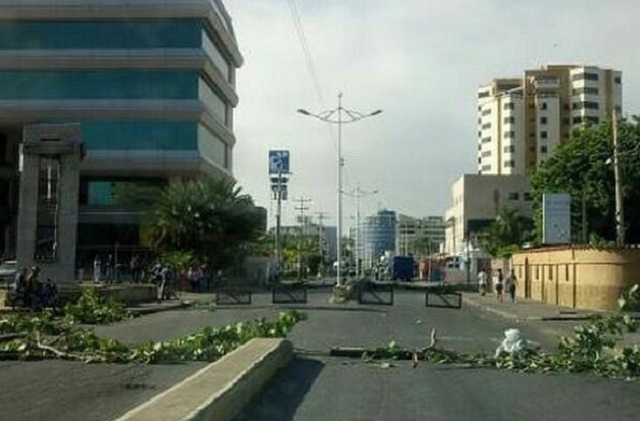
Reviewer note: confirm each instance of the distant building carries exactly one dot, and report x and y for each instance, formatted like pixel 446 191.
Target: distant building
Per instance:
pixel 417 236
pixel 476 200
pixel 379 236
pixel 326 235
pixel 522 120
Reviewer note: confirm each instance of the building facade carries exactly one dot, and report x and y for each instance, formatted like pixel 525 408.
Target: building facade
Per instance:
pixel 521 121
pixel 419 236
pixel 379 236
pixel 151 84
pixel 476 200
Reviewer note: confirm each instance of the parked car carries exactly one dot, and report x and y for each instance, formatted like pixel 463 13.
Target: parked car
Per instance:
pixel 8 270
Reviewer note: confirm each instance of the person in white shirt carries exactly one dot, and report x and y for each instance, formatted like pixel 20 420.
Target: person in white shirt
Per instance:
pixel 482 282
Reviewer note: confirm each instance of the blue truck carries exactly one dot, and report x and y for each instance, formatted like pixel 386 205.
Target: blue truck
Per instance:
pixel 402 268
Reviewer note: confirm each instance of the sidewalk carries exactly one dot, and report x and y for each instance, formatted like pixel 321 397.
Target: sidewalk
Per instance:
pixel 550 318
pixel 523 309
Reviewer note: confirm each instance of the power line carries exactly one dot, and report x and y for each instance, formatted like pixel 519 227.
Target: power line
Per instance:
pixel 311 68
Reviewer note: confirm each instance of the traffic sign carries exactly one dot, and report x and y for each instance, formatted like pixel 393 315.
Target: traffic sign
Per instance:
pixel 278 162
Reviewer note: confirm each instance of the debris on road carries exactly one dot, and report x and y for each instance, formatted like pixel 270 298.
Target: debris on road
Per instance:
pixel 513 343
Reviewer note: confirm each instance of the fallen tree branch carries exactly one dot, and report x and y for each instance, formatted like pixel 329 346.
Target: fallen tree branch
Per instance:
pixel 60 354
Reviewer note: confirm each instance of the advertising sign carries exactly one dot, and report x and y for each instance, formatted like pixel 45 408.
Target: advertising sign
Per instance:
pixel 556 218
pixel 279 162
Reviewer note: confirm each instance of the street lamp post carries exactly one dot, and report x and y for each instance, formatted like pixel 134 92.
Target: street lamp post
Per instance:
pixel 339 116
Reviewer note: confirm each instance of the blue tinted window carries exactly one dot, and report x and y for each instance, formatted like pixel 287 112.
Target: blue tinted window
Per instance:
pixel 134 193
pixel 99 84
pixel 101 35
pixel 214 101
pixel 216 56
pixel 99 193
pixel 130 135
pixel 213 148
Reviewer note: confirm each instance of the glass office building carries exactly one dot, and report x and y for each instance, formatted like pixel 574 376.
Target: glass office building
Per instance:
pixel 151 82
pixel 379 236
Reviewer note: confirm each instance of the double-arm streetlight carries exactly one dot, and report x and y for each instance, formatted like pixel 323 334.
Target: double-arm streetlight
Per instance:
pixel 339 116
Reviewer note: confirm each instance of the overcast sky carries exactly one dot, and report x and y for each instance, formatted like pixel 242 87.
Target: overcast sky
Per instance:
pixel 421 61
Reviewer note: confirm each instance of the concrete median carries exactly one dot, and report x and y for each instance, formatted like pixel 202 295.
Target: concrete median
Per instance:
pixel 219 391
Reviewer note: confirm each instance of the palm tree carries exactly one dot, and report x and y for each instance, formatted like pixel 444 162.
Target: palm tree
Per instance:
pixel 509 229
pixel 209 217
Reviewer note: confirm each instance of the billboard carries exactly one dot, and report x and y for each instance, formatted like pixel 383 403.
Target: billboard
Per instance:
pixel 278 162
pixel 556 218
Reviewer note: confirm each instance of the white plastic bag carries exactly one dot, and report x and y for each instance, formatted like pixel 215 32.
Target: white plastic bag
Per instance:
pixel 512 343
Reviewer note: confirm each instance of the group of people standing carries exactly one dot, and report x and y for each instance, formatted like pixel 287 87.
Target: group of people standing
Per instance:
pixel 500 284
pixel 28 291
pixel 108 270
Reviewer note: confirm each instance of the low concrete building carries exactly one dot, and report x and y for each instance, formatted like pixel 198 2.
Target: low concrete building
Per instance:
pixel 476 200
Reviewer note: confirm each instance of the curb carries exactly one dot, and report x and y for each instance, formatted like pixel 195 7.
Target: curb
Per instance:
pixel 500 313
pixel 513 316
pixel 219 391
pixel 141 311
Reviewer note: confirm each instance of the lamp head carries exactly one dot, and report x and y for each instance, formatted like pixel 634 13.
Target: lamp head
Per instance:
pixel 303 111
pixel 376 112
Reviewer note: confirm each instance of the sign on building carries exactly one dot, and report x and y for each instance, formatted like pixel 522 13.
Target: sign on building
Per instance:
pixel 278 162
pixel 556 218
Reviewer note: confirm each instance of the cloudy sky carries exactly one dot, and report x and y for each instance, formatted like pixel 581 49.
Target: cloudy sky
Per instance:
pixel 421 62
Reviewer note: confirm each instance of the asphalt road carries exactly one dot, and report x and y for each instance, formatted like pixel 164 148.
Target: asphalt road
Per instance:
pixel 312 389
pixel 74 391
pixel 330 388
pixel 56 390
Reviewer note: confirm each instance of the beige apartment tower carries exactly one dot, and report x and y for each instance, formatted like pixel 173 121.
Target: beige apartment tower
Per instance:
pixel 522 120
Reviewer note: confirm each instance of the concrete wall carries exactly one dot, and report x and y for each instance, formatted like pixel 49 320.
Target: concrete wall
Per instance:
pixel 578 277
pixel 127 294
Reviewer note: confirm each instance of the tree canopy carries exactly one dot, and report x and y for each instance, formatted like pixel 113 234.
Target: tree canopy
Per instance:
pixel 507 232
pixel 582 167
pixel 208 217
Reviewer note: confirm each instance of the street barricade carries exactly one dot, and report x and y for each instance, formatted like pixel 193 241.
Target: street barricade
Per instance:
pixel 443 299
pixel 295 293
pixel 376 293
pixel 233 297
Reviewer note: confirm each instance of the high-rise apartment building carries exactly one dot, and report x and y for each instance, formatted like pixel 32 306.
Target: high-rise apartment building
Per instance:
pixel 521 121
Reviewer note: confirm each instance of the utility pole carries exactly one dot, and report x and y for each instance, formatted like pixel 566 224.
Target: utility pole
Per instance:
pixel 302 208
pixel 321 238
pixel 620 241
pixel 278 222
pixel 278 169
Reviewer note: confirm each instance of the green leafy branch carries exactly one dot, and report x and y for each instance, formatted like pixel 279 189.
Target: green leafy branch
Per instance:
pixel 43 338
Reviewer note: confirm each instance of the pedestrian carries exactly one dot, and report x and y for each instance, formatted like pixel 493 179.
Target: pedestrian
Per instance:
pixel 97 269
pixel 19 287
pixel 33 286
pixel 111 267
pixel 482 282
pixel 511 284
pixel 499 285
pixel 134 268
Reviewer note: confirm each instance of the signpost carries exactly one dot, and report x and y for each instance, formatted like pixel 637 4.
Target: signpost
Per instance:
pixel 556 218
pixel 278 169
pixel 278 162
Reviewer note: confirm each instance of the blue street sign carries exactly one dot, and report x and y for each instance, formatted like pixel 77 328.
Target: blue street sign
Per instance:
pixel 278 162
